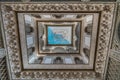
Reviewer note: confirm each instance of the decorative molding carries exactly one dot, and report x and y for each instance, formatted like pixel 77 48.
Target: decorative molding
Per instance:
pixel 116 44
pixel 11 34
pixel 116 38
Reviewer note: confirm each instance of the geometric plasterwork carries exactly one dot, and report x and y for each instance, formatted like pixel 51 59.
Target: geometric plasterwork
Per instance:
pixel 9 11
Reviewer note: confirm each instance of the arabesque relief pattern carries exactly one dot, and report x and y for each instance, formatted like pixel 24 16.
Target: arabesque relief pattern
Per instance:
pixel 11 33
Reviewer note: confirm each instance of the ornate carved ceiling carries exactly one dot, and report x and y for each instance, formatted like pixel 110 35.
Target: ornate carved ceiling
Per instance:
pixel 15 28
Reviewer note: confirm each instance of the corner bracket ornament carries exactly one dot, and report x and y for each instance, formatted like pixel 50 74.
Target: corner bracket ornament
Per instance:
pixel 13 46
